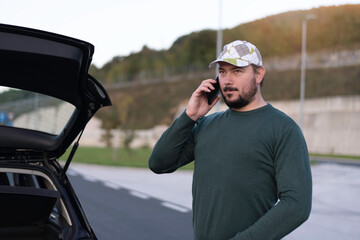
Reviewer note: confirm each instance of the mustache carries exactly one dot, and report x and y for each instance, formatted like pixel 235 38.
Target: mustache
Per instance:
pixel 230 89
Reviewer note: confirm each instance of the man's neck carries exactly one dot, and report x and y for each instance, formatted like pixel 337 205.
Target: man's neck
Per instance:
pixel 258 102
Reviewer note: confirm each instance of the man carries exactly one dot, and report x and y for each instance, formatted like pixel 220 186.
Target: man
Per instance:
pixel 252 177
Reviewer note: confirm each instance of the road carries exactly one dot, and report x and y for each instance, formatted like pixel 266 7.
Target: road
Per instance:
pixel 116 212
pixel 137 204
pixel 336 207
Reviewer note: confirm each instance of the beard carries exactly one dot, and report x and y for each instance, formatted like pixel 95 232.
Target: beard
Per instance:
pixel 243 99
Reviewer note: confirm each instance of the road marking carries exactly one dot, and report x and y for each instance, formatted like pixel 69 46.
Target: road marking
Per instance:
pixel 175 207
pixel 90 178
pixel 111 185
pixel 139 194
pixel 134 193
pixel 72 172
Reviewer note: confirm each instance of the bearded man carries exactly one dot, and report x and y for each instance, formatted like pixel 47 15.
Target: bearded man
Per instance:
pixel 252 177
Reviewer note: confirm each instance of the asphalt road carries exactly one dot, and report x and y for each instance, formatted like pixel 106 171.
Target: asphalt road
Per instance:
pixel 115 212
pixel 126 203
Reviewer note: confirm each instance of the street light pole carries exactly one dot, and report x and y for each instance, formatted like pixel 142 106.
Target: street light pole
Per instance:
pixel 219 34
pixel 219 44
pixel 303 66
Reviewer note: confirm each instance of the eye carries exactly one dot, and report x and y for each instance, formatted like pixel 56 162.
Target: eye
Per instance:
pixel 237 71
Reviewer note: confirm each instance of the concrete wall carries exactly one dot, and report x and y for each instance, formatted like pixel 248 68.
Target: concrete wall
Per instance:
pixel 331 125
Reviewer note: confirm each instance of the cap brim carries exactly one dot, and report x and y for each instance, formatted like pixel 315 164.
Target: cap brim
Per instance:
pixel 213 64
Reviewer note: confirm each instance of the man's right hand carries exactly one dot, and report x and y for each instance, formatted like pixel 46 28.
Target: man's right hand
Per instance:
pixel 198 105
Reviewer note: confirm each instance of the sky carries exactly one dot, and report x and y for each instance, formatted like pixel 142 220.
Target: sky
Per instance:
pixel 119 28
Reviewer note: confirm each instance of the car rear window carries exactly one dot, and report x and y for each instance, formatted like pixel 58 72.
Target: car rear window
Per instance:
pixel 29 110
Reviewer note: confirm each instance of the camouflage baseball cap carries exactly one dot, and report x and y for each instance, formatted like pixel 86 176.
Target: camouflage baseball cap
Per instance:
pixel 239 53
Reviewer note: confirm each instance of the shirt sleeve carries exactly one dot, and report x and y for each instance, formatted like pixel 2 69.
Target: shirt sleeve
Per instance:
pixel 175 148
pixel 294 183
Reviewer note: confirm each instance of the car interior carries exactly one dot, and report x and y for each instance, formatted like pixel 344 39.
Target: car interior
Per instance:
pixel 31 206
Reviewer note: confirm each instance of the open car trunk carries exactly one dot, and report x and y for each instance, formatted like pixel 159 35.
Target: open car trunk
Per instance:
pixel 49 99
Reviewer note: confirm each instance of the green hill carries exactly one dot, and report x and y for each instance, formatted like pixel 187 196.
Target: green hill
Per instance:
pixel 335 28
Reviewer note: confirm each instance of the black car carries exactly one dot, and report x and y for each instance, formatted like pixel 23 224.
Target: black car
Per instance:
pixel 47 99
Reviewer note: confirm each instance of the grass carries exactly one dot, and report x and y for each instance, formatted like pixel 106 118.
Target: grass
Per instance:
pixel 114 157
pixel 335 156
pixel 137 157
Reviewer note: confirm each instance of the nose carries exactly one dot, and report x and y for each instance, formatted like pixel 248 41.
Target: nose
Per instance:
pixel 226 78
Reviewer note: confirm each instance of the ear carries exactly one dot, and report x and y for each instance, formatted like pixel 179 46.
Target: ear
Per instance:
pixel 260 73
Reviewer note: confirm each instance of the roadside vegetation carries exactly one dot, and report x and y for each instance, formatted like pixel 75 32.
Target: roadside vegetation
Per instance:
pixel 139 157
pixel 335 156
pixel 120 157
pixel 145 106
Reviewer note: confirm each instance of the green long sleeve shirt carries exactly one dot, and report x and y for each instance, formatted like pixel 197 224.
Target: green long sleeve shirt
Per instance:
pixel 252 178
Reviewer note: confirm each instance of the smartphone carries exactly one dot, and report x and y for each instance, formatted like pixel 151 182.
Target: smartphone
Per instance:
pixel 214 93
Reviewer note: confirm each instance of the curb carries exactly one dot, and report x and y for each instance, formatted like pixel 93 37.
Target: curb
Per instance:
pixel 341 161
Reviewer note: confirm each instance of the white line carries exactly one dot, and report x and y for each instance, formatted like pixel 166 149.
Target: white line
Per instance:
pixel 72 172
pixel 175 207
pixel 111 185
pixel 90 178
pixel 139 195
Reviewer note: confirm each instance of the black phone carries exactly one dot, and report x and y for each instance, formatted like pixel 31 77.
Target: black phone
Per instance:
pixel 214 93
